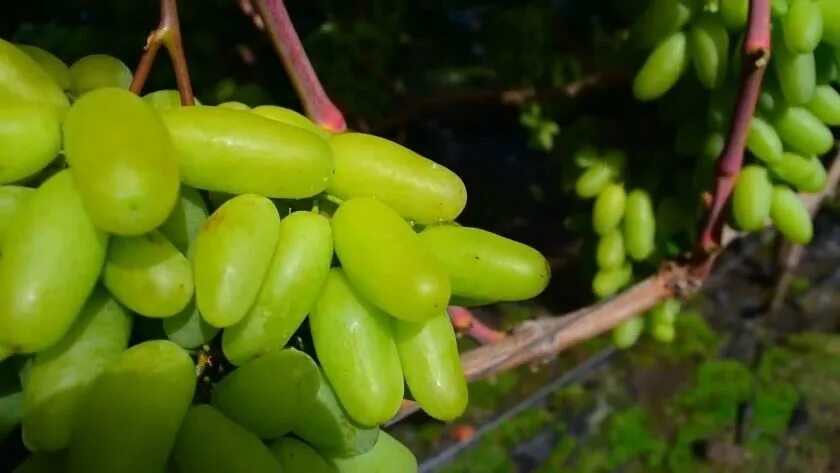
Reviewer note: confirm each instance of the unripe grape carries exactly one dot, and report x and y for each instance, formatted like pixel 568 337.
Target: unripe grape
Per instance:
pixel 751 198
pixel 293 455
pixel 593 180
pixel 806 174
pixel 763 141
pixel 800 129
pixel 709 48
pixel 662 69
pixel 734 13
pixel 830 11
pixel 639 225
pixel 627 333
pixel 790 216
pixel 609 209
pixel 186 219
pixel 22 79
pixel 802 26
pixel 98 71
pixel 826 105
pixel 660 19
pixel 30 138
pixel 54 66
pixel 610 251
pixel 388 455
pixel 609 281
pixel 797 74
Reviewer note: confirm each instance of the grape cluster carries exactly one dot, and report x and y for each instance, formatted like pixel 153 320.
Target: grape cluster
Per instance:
pixel 225 226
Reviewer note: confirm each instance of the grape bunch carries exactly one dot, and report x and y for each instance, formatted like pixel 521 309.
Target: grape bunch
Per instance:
pixel 245 229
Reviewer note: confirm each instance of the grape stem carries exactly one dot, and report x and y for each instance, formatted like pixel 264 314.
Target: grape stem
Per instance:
pixel 756 54
pixel 286 42
pixel 467 323
pixel 168 35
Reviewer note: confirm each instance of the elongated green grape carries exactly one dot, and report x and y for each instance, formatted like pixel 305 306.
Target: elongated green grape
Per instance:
pixel 232 255
pixel 61 374
pixel 763 141
pixel 52 254
pixel 826 105
pixel 290 288
pixel 98 71
pixel 639 225
pixel 122 161
pixel 22 79
pixel 53 66
pixel 386 261
pixel 483 265
pixel 270 394
pixel 790 216
pixel 800 129
pixel 665 333
pixel 209 441
pixel 188 328
pixel 431 366
pixel 610 252
pixel 797 74
pixel 627 333
pixel 239 152
pixel 665 312
pixel 593 180
pixel 185 220
pixel 802 26
pixel 417 188
pixel 294 455
pixel 356 349
pixel 52 462
pixel 709 47
pixel 165 100
pixel 662 69
pixel 830 12
pixel 290 117
pixel 129 418
pixel 12 198
pixel 805 173
pixel 751 198
pixel 387 456
pixel 328 428
pixel 148 274
pixel 30 137
pixel 734 13
pixel 659 20
pixel 609 281
pixel 609 209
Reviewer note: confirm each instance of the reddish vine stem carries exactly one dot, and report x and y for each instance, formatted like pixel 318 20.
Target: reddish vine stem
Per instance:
pixel 168 35
pixel 756 54
pixel 466 322
pixel 286 42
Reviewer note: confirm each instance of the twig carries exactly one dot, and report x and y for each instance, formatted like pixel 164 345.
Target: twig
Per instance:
pixel 167 34
pixel 756 55
pixel 286 42
pixel 466 322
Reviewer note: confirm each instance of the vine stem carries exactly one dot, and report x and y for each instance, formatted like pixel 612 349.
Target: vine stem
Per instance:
pixel 466 322
pixel 286 42
pixel 168 35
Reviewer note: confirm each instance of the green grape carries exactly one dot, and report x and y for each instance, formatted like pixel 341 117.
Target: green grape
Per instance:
pixel 387 456
pixel 627 333
pixel 713 146
pixel 290 288
pixel 431 366
pixel 270 394
pixel 329 429
pixel 609 281
pixel 662 69
pixel 826 105
pixel 800 129
pixel 55 67
pixel 239 152
pixel 609 209
pixel 233 105
pixel 806 174
pixel 763 141
pixel 129 418
pixel 12 199
pixel 639 225
pixel 826 64
pixel 147 274
pixel 356 349
pixel 30 138
pixel 98 71
pixel 122 161
pixel 708 41
pixel 797 74
pixel 165 100
pixel 751 198
pixel 232 255
pixel 210 442
pixel 830 12
pixel 790 216
pixel 60 374
pixel 417 188
pixel 294 455
pixel 593 180
pixel 185 220
pixel 51 260
pixel 387 262
pixel 485 266
pixel 291 117
pixel 48 462
pixel 802 26
pixel 610 252
pixel 22 79
pixel 188 328
pixel 665 312
pixel 734 13
pixel 659 20
pixel 665 333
